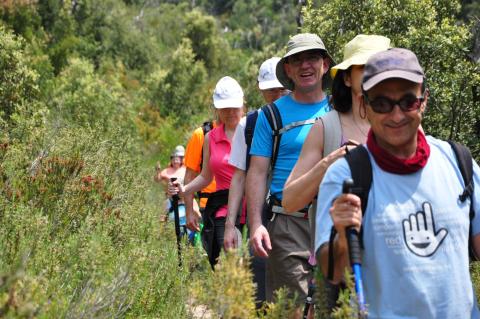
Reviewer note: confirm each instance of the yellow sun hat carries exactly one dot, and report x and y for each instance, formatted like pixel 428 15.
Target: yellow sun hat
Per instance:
pixel 359 49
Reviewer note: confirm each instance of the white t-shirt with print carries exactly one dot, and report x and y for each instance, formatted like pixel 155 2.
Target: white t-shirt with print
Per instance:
pixel 415 235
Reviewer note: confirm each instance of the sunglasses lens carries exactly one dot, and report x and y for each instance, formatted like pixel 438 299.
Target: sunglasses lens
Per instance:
pixel 381 105
pixel 409 103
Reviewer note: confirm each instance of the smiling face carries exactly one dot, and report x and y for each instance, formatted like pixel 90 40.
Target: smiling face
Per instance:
pixel 396 131
pixel 176 161
pixel 306 70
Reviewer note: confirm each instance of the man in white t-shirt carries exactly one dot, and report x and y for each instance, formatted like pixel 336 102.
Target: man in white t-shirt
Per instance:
pixel 415 228
pixel 271 90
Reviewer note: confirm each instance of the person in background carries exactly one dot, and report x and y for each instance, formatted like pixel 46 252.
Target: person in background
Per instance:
pixel 271 90
pixel 174 169
pixel 228 100
pixel 193 164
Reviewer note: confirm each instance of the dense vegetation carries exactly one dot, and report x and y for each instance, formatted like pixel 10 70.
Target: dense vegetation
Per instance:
pixel 94 92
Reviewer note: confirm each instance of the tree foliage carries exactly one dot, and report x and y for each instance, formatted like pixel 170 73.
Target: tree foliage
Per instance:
pixel 178 89
pixel 19 82
pixel 429 29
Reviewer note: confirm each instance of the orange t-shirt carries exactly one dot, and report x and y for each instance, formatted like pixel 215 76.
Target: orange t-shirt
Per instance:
pixel 193 159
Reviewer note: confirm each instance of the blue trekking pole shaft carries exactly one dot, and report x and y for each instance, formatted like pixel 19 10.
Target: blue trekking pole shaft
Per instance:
pixel 355 256
pixel 176 217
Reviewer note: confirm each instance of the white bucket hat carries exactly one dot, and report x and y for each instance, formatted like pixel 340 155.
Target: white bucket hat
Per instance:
pixel 228 93
pixel 267 79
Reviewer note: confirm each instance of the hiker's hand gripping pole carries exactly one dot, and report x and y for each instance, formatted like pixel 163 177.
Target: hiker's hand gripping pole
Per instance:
pixel 175 199
pixel 355 256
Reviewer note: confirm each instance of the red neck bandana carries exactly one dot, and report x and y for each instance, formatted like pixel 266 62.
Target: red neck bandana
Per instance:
pixel 393 164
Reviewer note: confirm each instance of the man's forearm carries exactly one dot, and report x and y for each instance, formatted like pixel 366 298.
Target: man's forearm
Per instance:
pixel 255 190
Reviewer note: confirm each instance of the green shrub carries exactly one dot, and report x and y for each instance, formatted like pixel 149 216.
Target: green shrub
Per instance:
pixel 442 45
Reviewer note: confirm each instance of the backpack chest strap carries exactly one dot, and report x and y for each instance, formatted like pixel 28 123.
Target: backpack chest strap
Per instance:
pixel 293 125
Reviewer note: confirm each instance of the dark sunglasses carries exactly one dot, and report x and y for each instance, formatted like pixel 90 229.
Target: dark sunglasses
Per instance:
pixel 384 104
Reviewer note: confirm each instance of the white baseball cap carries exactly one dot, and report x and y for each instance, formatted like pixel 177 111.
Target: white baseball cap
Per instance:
pixel 228 93
pixel 267 77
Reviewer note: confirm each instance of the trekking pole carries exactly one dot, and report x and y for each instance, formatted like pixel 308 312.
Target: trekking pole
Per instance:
pixel 309 300
pixel 355 256
pixel 176 216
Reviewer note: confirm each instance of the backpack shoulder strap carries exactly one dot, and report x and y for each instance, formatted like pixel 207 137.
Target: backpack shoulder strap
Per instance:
pixel 275 120
pixel 332 132
pixel 361 170
pixel 207 127
pixel 250 122
pixel 465 164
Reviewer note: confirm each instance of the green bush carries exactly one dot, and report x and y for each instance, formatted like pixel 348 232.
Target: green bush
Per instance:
pixel 442 45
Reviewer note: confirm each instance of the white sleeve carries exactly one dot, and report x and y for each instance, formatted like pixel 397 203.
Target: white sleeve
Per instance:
pixel 476 198
pixel 330 188
pixel 238 154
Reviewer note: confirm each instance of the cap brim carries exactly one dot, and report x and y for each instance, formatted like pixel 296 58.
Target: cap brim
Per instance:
pixel 393 74
pixel 265 85
pixel 228 103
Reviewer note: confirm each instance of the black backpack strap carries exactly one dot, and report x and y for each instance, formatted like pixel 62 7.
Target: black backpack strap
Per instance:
pixel 207 127
pixel 465 164
pixel 250 122
pixel 361 170
pixel 331 260
pixel 275 120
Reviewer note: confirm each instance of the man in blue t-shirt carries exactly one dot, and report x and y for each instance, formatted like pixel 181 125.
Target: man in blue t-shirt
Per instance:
pixel 286 243
pixel 415 229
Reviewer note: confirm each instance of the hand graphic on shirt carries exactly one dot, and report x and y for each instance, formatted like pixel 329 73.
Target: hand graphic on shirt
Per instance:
pixel 419 232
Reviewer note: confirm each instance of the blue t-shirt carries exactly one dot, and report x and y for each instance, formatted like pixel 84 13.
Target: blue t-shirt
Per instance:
pixel 291 141
pixel 409 272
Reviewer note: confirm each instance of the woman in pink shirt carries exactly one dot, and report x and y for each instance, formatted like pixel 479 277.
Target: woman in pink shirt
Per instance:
pixel 228 100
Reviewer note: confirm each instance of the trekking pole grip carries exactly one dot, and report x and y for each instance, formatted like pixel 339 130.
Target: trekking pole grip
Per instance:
pixel 174 197
pixel 352 234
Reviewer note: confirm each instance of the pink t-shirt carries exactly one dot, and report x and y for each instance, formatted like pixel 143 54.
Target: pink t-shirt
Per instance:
pixel 222 171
